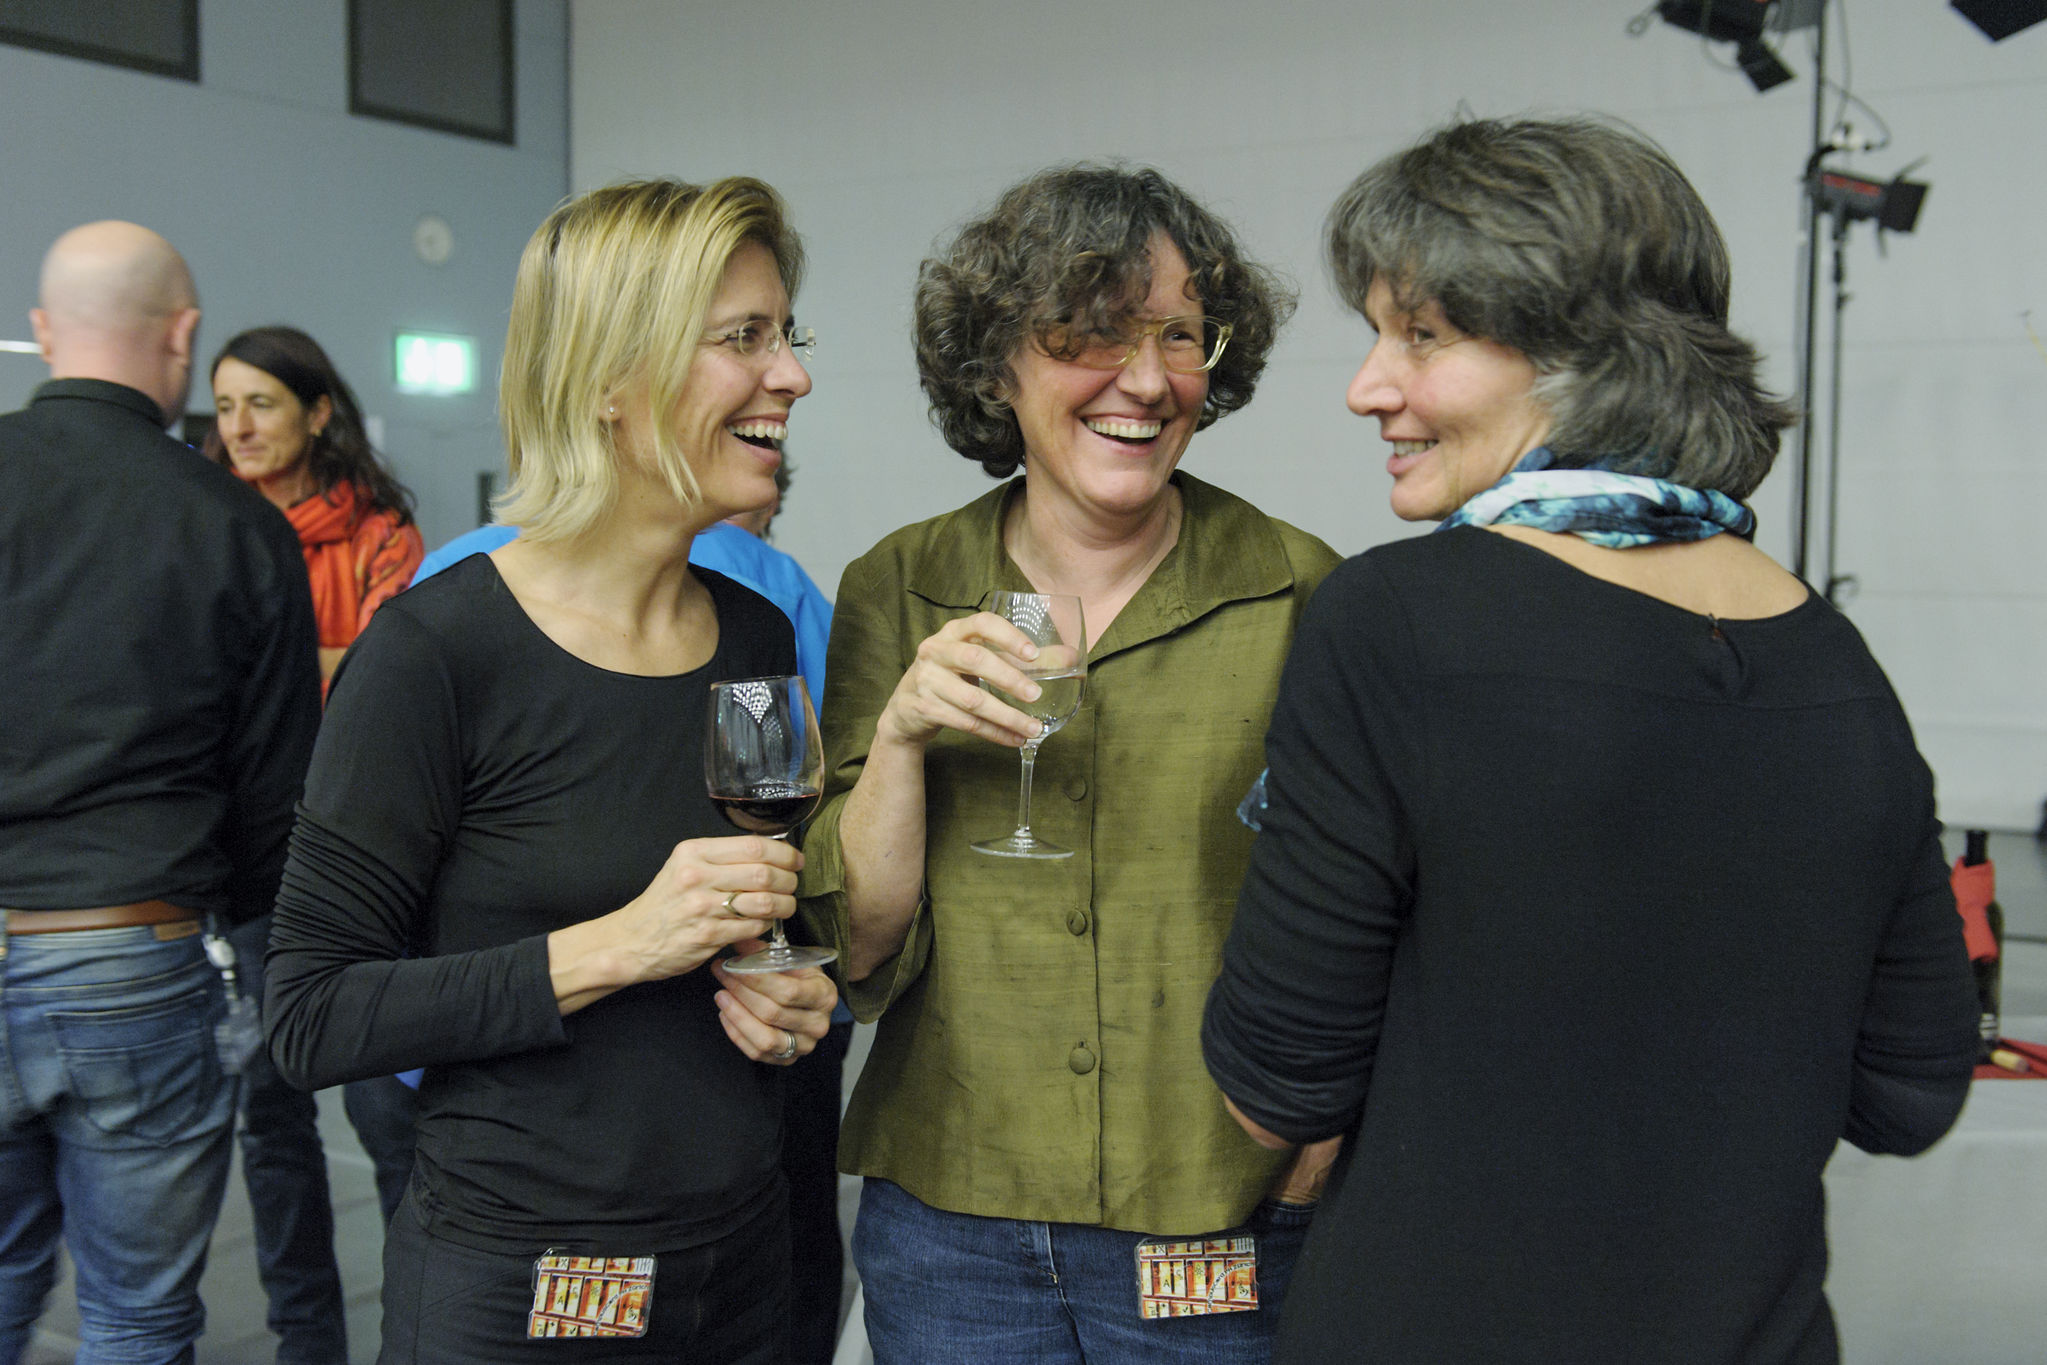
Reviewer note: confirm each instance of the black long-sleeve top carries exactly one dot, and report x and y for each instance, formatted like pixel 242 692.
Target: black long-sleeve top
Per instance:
pixel 475 788
pixel 159 677
pixel 1595 924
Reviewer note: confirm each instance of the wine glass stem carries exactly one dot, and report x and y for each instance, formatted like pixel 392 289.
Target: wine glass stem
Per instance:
pixel 778 941
pixel 1023 805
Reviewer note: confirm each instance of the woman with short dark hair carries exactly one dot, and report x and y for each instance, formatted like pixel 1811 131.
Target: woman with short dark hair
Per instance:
pixel 1034 1110
pixel 1599 892
pixel 1052 266
pixel 1585 249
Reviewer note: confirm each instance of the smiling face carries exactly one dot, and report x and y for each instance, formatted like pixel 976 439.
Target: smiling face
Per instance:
pixel 1107 441
pixel 733 414
pixel 266 430
pixel 1458 410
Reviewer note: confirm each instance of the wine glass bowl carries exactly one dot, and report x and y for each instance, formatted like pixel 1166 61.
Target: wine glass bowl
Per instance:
pixel 764 770
pixel 1053 623
pixel 769 809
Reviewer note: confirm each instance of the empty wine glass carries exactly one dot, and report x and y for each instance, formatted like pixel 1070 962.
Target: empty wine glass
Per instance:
pixel 764 768
pixel 1060 671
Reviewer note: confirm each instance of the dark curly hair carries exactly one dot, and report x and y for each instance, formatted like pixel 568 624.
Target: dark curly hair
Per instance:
pixel 1580 244
pixel 1062 259
pixel 342 452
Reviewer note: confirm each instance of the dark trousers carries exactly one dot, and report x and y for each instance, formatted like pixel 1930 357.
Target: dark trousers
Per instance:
pixel 726 1303
pixel 810 1161
pixel 384 1112
pixel 285 1170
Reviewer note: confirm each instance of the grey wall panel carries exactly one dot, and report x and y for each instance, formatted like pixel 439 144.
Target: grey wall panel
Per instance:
pixel 292 210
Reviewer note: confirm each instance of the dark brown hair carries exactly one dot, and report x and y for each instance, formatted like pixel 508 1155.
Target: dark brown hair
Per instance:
pixel 1062 258
pixel 341 453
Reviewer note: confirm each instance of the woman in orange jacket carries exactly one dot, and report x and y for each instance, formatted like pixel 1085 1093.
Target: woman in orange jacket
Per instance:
pixel 286 421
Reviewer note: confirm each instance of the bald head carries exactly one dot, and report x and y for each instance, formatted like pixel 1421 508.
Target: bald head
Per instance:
pixel 117 303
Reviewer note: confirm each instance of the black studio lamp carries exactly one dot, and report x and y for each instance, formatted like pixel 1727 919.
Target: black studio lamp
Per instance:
pixel 1999 19
pixel 1740 22
pixel 1893 205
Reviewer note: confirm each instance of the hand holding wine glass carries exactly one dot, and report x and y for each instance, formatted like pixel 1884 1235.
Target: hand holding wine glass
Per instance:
pixel 1053 623
pixel 764 769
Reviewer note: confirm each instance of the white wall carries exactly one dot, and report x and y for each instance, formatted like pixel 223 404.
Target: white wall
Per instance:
pixel 292 210
pixel 888 121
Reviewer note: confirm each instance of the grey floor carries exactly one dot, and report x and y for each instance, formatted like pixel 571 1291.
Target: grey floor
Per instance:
pixel 236 1335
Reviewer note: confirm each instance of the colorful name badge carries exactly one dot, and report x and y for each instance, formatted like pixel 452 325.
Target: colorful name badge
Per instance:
pixel 591 1296
pixel 1207 1275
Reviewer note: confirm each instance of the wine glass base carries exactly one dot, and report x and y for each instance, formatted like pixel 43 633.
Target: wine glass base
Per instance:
pixel 787 958
pixel 1011 846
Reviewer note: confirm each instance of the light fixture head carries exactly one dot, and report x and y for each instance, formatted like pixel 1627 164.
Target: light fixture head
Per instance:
pixel 1999 19
pixel 1740 22
pixel 1893 205
pixel 1764 68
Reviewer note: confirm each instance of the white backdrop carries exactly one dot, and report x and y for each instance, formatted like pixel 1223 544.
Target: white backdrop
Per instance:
pixel 886 122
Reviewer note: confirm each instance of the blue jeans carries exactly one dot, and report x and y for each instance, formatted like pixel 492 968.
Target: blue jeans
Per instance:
pixel 116 1123
pixel 945 1286
pixel 285 1169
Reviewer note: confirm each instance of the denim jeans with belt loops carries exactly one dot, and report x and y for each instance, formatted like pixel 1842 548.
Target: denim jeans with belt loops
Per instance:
pixel 116 1123
pixel 953 1287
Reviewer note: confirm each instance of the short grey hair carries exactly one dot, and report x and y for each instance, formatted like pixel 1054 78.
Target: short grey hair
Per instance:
pixel 1580 244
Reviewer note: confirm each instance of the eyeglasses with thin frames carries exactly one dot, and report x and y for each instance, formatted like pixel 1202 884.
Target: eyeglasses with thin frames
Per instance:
pixel 757 340
pixel 1187 344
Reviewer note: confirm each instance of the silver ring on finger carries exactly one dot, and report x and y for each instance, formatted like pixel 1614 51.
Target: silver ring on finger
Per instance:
pixel 788 1047
pixel 731 897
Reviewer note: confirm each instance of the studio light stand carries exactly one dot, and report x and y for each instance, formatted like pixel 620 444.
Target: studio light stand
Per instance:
pixel 1744 24
pixel 1808 301
pixel 1847 198
pixel 1893 206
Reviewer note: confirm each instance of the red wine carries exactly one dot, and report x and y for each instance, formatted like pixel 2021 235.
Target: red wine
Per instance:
pixel 771 808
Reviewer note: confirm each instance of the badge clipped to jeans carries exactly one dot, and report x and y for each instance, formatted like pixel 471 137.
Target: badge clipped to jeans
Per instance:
pixel 238 1033
pixel 1206 1275
pixel 591 1296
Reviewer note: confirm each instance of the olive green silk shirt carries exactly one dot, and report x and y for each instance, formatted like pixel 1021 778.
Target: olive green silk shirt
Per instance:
pixel 1038 1054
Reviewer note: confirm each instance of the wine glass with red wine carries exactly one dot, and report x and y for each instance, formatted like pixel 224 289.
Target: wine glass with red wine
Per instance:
pixel 764 768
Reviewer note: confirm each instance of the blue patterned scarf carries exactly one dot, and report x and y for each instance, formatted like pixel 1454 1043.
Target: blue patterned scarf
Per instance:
pixel 1617 511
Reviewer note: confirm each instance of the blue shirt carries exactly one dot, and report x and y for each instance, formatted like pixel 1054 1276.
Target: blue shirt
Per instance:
pixel 739 555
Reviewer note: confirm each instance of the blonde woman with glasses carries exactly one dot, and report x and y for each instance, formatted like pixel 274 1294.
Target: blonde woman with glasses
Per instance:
pixel 506 869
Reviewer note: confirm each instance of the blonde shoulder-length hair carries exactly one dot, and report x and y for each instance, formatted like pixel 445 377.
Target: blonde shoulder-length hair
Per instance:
pixel 612 289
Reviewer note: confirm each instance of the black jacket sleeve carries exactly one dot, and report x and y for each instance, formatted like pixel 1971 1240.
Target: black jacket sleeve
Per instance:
pixel 275 716
pixel 1293 1020
pixel 342 1000
pixel 1916 1050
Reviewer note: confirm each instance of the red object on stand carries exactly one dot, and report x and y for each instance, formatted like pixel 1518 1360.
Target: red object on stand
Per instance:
pixel 1976 900
pixel 1975 885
